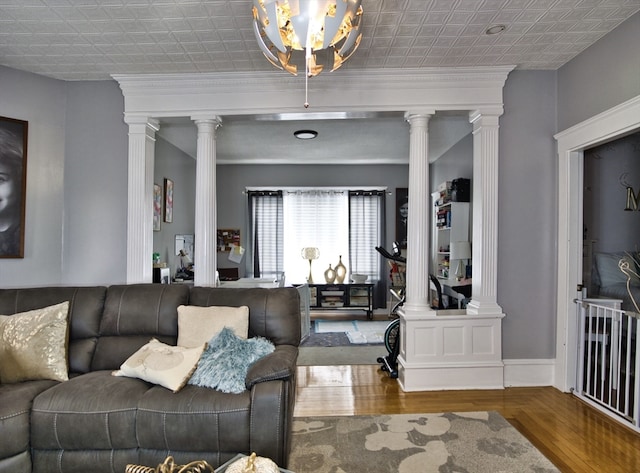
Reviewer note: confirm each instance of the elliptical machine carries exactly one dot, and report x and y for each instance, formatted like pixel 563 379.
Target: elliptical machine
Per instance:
pixel 389 362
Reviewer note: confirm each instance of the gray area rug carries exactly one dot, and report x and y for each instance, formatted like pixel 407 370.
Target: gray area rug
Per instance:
pixel 469 442
pixel 332 356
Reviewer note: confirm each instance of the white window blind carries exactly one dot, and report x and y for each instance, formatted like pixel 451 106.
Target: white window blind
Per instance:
pixel 315 218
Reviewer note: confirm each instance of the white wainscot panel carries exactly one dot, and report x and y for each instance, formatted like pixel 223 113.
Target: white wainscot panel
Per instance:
pixel 452 352
pixel 453 342
pixel 483 340
pixel 425 342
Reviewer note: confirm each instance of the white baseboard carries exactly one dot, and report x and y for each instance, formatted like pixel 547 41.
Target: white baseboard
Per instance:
pixel 510 373
pixel 450 376
pixel 529 373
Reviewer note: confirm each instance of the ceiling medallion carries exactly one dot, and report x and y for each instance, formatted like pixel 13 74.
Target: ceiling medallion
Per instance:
pixel 308 32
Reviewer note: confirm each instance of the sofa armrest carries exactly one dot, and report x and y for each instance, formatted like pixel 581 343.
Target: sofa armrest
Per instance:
pixel 281 364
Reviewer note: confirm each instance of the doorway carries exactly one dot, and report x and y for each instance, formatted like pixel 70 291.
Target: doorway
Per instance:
pixel 619 121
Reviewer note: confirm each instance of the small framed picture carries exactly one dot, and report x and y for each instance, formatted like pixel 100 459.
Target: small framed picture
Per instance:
pixel 168 200
pixel 157 207
pixel 13 186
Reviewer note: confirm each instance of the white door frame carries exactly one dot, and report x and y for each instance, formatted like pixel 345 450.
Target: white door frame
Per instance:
pixel 613 123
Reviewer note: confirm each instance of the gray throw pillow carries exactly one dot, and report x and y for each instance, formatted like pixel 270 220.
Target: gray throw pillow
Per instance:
pixel 225 362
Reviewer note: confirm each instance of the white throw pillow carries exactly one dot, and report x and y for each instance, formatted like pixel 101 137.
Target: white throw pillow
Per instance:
pixel 162 364
pixel 197 325
pixel 33 345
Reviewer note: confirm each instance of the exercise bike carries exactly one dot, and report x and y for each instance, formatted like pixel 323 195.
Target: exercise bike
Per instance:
pixel 389 362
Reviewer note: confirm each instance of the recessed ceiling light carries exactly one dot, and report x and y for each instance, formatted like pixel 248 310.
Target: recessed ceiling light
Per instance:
pixel 495 29
pixel 305 134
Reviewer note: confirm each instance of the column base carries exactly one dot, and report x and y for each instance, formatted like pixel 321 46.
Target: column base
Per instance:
pixel 450 351
pixel 480 307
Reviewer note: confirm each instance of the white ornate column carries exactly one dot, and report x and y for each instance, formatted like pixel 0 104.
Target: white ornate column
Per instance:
pixel 142 132
pixel 453 349
pixel 418 223
pixel 416 313
pixel 205 244
pixel 485 213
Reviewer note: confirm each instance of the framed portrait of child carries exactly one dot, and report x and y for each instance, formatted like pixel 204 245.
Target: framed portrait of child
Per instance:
pixel 13 186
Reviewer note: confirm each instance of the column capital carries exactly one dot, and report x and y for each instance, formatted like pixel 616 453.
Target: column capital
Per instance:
pixel 147 121
pixel 411 117
pixel 487 115
pixel 207 118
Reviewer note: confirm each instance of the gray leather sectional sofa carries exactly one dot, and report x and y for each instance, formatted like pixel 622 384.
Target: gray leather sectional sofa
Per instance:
pixel 96 422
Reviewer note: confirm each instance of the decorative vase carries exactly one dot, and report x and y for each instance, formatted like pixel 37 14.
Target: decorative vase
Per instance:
pixel 330 275
pixel 341 271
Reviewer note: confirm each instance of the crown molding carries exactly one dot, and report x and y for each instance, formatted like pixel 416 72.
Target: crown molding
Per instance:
pixel 157 83
pixel 412 90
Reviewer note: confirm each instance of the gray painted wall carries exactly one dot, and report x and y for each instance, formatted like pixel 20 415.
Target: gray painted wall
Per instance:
pixel 604 75
pixel 95 190
pixel 173 164
pixel 527 209
pixel 456 162
pixel 42 102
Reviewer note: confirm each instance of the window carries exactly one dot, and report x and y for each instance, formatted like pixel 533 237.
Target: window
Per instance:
pixel 315 218
pixel 340 222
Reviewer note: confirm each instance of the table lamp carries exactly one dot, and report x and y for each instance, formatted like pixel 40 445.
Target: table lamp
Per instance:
pixel 459 250
pixel 310 253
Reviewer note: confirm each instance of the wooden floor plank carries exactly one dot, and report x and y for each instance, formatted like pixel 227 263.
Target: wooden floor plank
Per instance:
pixel 574 436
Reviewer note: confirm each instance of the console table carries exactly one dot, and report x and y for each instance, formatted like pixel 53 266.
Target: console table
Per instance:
pixel 342 297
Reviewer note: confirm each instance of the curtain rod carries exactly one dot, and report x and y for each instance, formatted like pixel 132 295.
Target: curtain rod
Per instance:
pixel 304 190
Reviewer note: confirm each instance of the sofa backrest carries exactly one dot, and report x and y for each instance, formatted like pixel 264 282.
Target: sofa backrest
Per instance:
pixel 85 309
pixel 108 324
pixel 133 314
pixel 274 313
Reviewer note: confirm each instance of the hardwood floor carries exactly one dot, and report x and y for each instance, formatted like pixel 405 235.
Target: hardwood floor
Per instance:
pixel 573 435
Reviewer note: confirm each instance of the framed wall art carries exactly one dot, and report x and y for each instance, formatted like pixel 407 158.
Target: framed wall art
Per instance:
pixel 157 207
pixel 402 214
pixel 168 200
pixel 13 186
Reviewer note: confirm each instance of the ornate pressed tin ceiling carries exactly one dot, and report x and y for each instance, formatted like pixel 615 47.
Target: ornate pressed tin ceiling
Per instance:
pixel 92 39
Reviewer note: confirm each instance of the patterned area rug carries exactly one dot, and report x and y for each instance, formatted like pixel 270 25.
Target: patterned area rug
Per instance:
pixel 344 333
pixel 327 339
pixel 469 442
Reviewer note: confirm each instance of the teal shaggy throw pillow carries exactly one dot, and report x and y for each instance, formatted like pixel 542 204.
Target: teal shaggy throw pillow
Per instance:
pixel 225 362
